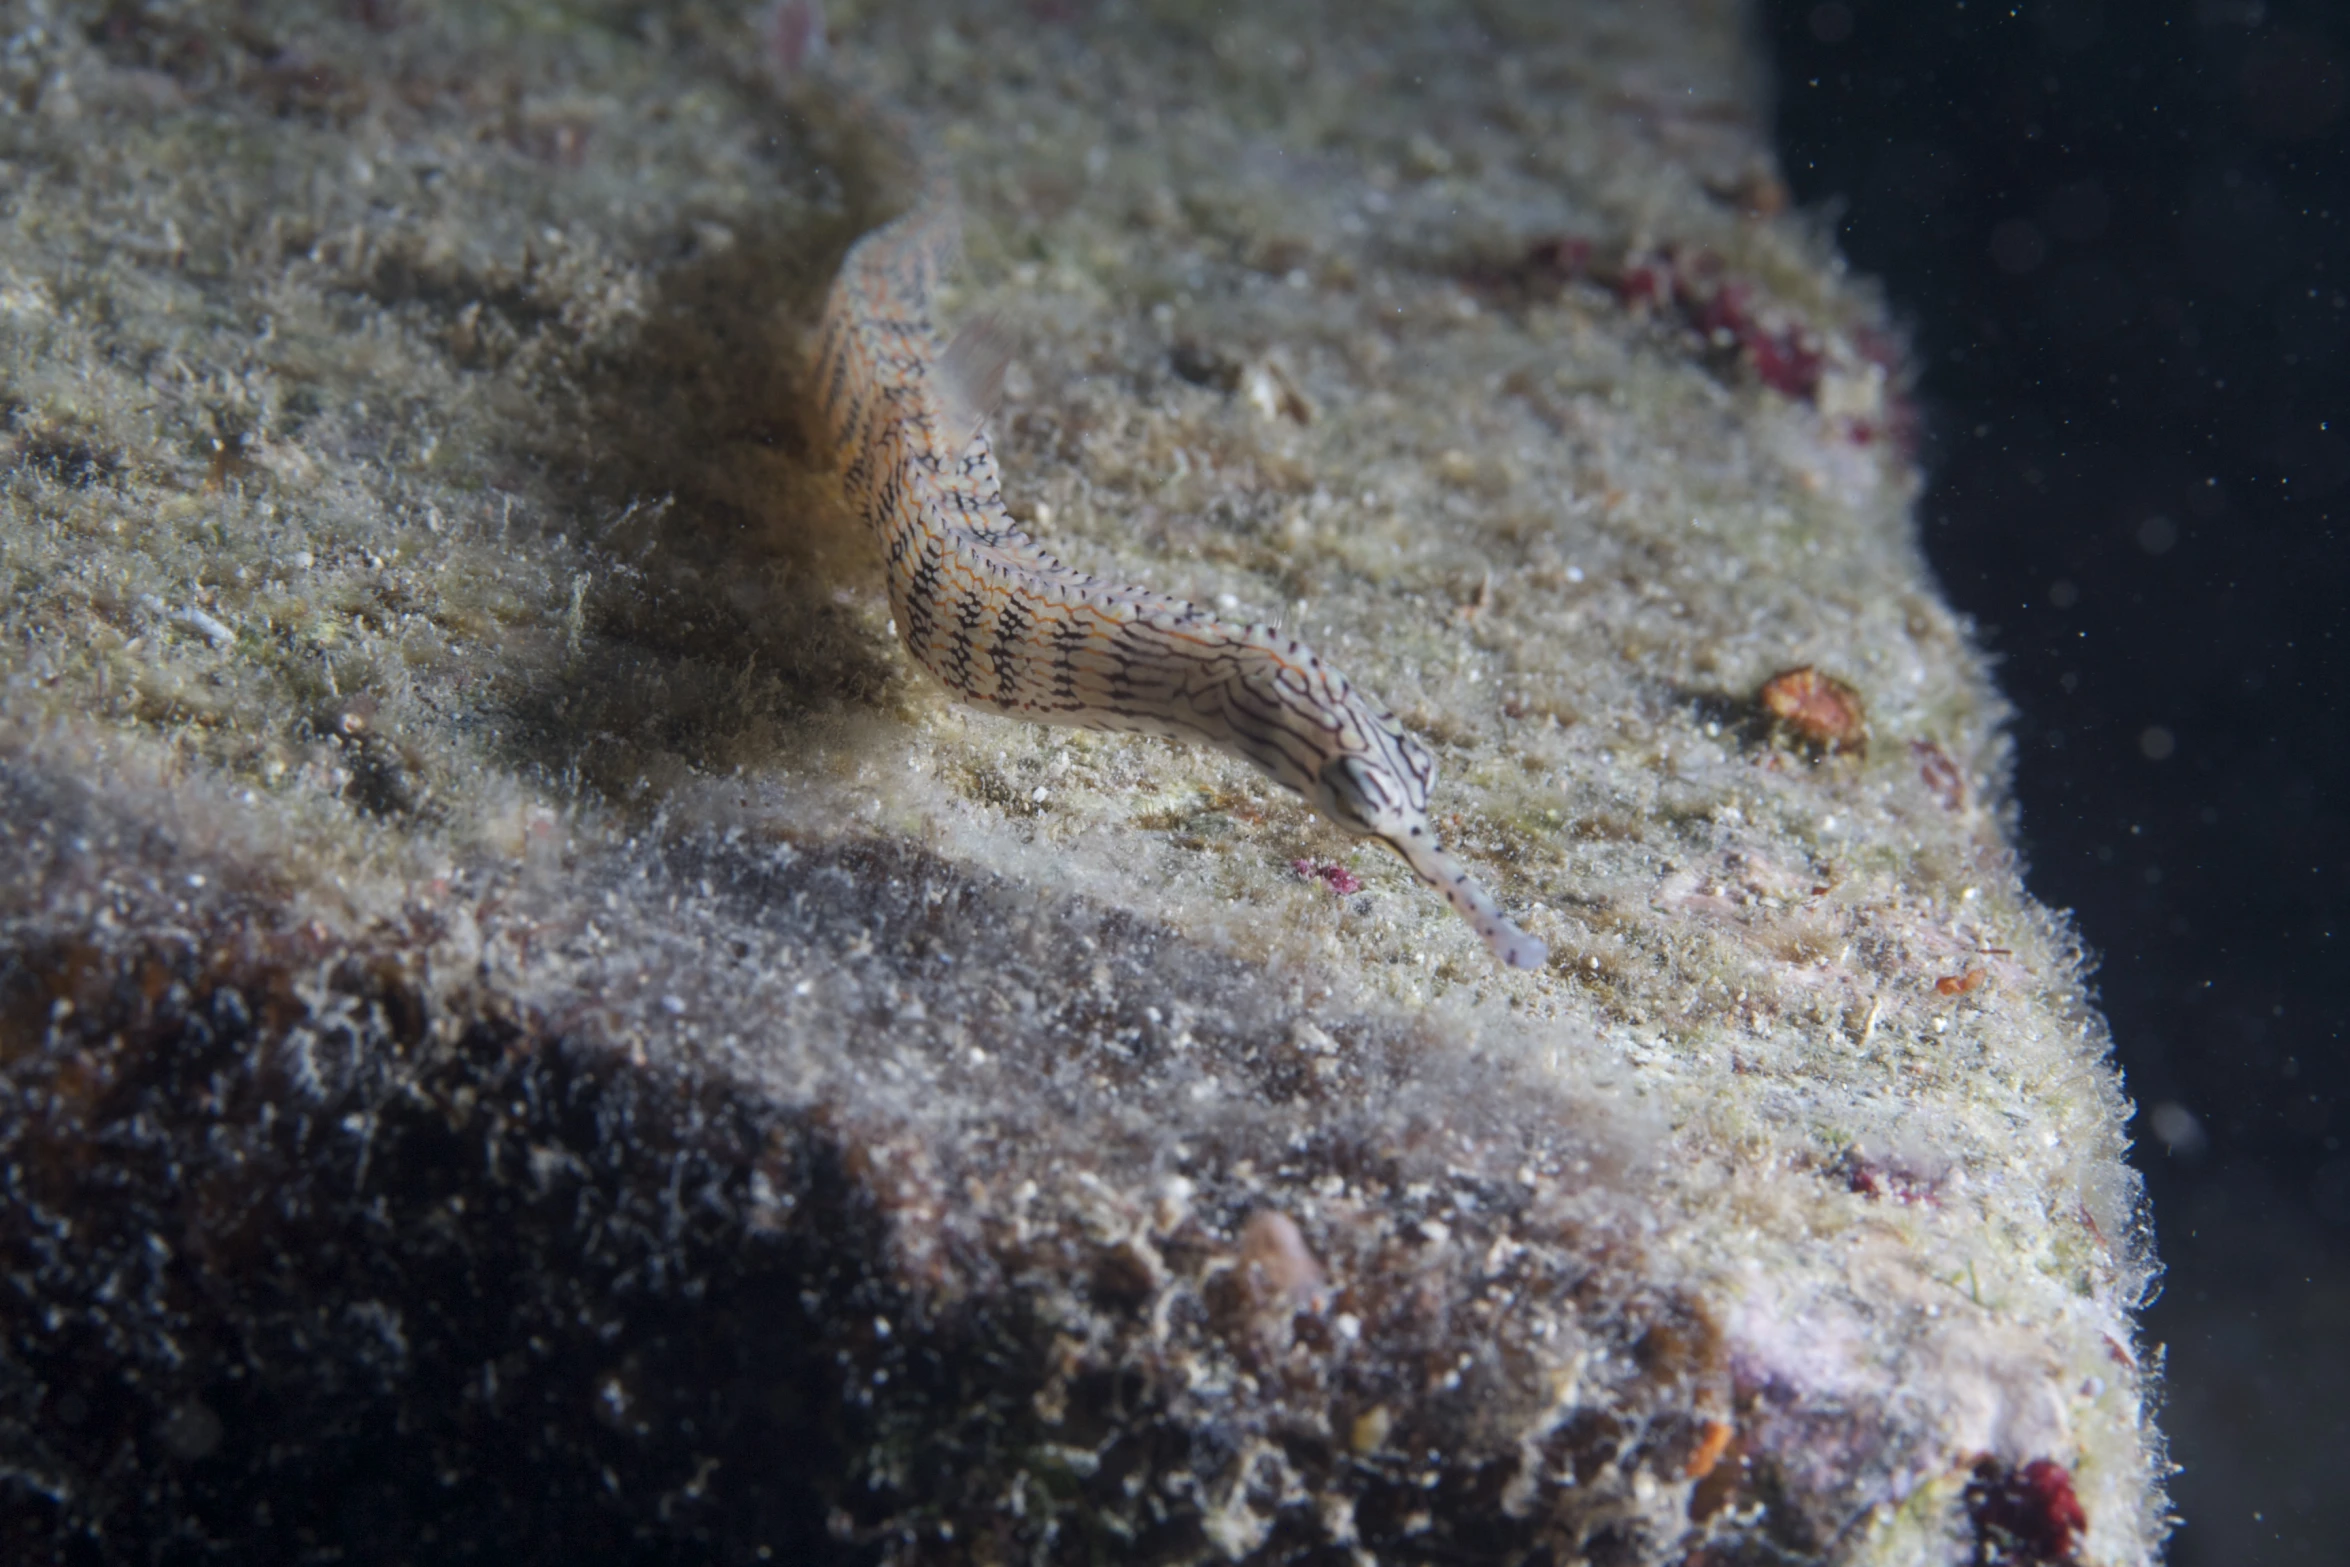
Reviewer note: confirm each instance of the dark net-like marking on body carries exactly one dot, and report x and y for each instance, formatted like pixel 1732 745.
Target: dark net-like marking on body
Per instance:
pixel 1007 626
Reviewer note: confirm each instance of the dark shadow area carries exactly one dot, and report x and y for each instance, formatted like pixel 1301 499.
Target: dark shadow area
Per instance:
pixel 725 605
pixel 729 599
pixel 302 1271
pixel 309 1260
pixel 2117 233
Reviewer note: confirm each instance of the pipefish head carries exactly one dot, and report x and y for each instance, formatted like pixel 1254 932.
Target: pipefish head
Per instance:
pixel 1377 781
pixel 1384 794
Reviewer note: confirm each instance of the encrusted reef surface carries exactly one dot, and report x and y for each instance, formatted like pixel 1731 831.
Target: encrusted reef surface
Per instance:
pixel 530 1031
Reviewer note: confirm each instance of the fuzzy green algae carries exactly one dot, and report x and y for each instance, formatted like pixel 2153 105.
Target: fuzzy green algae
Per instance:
pixel 446 697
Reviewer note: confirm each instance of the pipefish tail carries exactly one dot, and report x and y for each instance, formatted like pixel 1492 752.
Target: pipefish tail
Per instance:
pixel 1008 627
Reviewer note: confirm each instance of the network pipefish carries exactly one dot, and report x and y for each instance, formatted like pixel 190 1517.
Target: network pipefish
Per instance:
pixel 1008 627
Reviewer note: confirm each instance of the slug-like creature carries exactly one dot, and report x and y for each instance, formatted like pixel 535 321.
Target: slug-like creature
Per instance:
pixel 1010 628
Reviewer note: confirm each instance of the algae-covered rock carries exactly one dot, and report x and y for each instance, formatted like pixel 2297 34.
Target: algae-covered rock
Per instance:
pixel 529 1027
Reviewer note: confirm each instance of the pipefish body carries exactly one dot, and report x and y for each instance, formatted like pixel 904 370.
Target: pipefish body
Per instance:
pixel 1009 628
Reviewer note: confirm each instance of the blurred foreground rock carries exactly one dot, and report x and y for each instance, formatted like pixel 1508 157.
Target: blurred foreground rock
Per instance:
pixel 530 1030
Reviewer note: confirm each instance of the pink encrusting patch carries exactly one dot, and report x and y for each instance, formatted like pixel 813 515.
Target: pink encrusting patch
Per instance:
pixel 2028 1516
pixel 1774 342
pixel 1340 880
